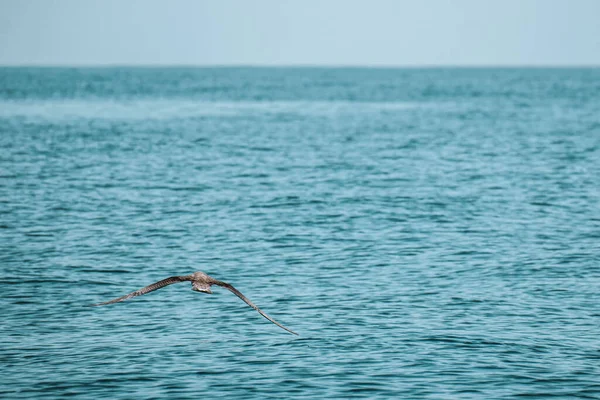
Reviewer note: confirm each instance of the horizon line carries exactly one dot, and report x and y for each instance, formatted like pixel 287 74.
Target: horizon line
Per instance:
pixel 307 66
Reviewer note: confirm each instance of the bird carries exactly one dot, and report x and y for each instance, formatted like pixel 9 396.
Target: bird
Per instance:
pixel 201 282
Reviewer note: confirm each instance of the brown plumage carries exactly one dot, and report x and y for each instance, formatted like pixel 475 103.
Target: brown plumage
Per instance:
pixel 200 283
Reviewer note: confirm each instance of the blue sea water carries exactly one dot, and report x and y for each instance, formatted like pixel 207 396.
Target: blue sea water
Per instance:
pixel 429 233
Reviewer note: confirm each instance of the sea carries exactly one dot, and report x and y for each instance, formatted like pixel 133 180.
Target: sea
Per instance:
pixel 430 233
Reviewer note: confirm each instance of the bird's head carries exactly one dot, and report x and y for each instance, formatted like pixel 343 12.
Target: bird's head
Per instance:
pixel 201 277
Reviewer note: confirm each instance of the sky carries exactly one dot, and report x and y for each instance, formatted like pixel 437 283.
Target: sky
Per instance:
pixel 300 32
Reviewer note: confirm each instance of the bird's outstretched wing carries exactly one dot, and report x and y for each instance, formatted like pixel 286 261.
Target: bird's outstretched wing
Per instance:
pixel 247 301
pixel 147 289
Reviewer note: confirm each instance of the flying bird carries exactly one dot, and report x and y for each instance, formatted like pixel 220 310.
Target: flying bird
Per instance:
pixel 201 282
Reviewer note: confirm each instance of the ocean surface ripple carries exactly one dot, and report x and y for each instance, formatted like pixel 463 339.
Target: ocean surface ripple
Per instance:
pixel 430 233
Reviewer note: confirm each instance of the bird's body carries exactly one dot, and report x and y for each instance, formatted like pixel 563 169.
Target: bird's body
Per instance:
pixel 201 282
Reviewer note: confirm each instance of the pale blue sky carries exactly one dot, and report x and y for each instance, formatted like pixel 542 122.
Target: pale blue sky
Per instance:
pixel 302 32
